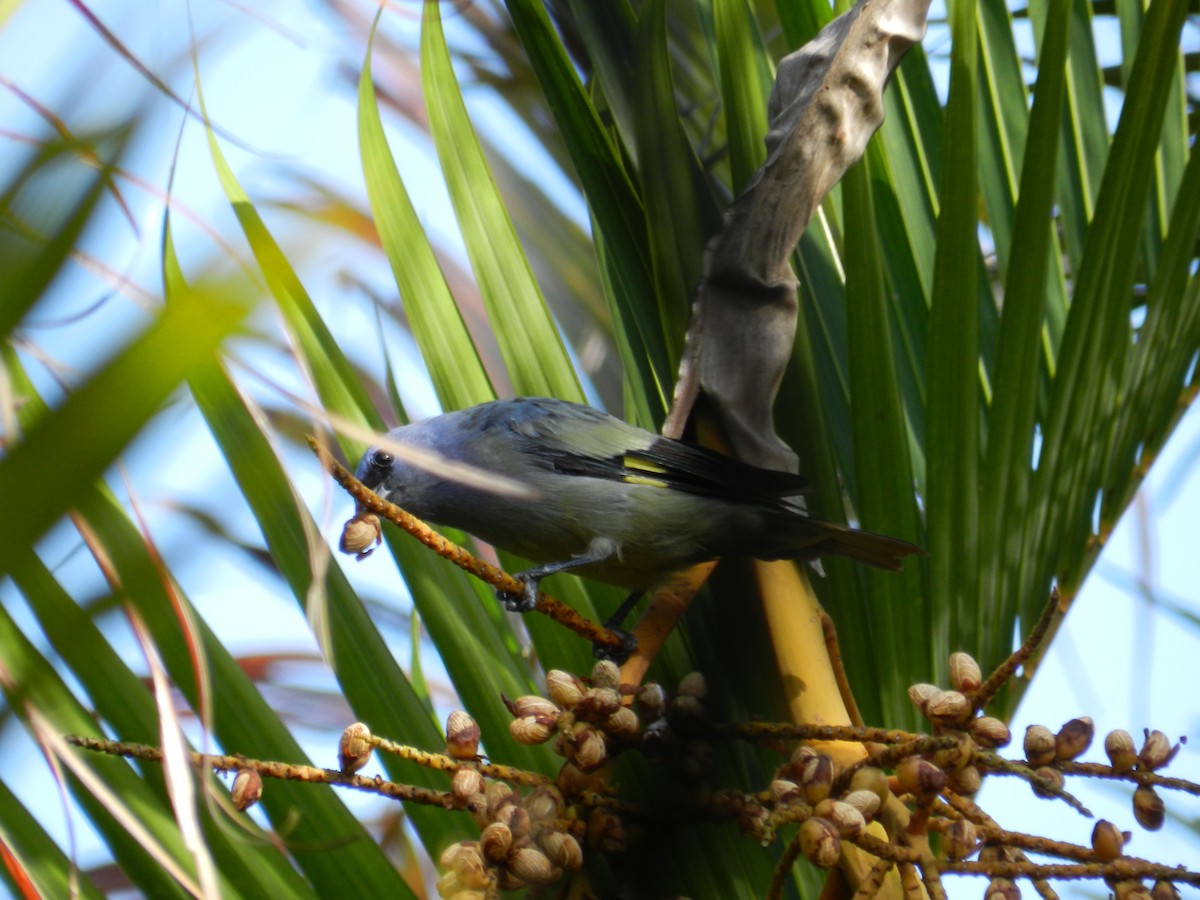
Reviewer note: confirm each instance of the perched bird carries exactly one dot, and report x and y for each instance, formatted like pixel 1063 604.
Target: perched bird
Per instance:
pixel 607 500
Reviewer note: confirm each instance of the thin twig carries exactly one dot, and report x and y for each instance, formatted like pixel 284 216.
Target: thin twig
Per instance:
pixel 882 849
pixel 1015 840
pixel 787 859
pixel 997 765
pixel 269 769
pixel 1020 656
pixel 788 731
pixel 1123 869
pixel 834 649
pixel 1136 776
pixel 440 762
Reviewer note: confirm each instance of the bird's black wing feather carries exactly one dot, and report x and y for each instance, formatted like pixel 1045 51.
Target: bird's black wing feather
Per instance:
pixel 698 470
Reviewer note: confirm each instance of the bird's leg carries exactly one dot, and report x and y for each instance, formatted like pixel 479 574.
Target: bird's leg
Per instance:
pixel 597 551
pixel 615 623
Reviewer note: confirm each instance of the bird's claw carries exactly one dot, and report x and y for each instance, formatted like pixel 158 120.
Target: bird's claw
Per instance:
pixel 616 653
pixel 524 602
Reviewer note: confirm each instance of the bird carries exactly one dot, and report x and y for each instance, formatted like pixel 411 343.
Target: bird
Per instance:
pixel 602 498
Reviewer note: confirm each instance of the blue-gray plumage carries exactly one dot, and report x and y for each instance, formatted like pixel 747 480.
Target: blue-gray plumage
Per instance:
pixel 612 502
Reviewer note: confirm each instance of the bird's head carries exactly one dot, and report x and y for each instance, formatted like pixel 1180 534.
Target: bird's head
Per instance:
pixel 385 472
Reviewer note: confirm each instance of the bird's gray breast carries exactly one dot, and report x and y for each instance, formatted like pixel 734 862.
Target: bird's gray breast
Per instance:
pixel 566 515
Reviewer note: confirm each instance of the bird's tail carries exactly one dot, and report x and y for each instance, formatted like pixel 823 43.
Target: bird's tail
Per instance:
pixel 877 550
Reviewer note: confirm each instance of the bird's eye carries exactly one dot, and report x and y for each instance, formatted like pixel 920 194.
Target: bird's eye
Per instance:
pixel 381 459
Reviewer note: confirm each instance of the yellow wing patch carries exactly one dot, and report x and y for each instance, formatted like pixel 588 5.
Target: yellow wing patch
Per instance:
pixel 642 479
pixel 642 465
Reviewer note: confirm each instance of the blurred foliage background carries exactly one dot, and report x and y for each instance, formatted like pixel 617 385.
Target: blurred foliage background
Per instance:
pixel 998 282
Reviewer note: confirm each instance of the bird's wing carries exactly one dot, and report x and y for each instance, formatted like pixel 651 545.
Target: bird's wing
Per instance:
pixel 601 446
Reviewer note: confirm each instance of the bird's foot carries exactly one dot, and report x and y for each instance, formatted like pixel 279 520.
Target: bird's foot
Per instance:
pixel 524 602
pixel 618 653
